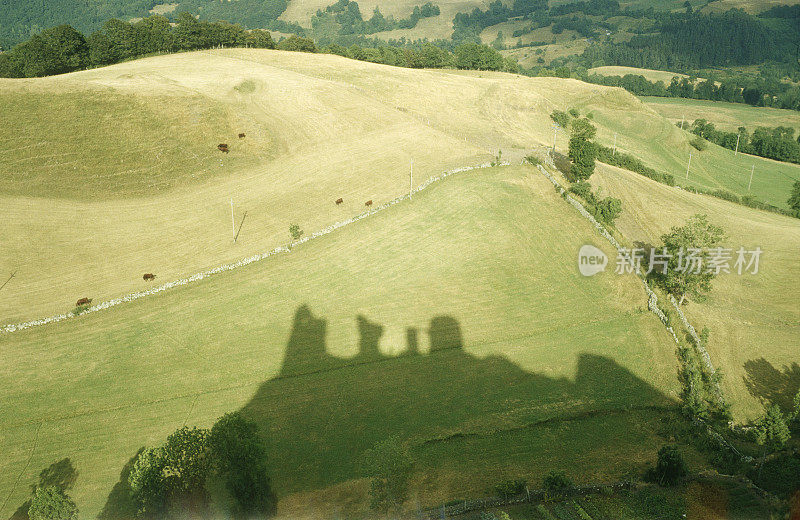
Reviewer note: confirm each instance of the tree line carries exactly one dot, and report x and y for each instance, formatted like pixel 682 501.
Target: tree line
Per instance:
pixel 773 143
pixel 63 49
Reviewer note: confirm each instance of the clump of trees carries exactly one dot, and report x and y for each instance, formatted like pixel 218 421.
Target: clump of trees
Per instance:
pixel 52 503
pixel 295 231
pixel 63 49
pixel 629 162
pixel 344 17
pixel 172 478
pixel 604 210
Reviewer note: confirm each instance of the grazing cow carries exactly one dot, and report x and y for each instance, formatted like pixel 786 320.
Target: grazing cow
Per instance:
pixel 339 201
pixel 83 301
pixel 223 147
pixel 368 203
pixel 149 277
pixel 241 136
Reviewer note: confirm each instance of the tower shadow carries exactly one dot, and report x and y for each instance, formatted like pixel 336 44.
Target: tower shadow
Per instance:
pixel 771 385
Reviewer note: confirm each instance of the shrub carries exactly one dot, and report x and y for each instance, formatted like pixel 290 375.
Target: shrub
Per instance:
pixel 699 143
pixel 296 43
pixel 532 159
pixel 629 162
pixel 726 195
pixel 510 488
pixel 557 482
pixel 295 231
pixel 583 190
pixel 574 112
pixel 560 118
pixel 51 503
pixel 670 467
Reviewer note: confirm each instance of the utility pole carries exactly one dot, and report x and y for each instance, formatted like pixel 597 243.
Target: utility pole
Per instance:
pixel 689 164
pixel 736 152
pixel 752 169
pixel 555 129
pixel 682 121
pixel 233 223
pixel 615 144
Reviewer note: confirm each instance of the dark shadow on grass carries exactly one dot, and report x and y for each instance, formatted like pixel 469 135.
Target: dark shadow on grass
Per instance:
pixel 771 385
pixel 120 504
pixel 321 412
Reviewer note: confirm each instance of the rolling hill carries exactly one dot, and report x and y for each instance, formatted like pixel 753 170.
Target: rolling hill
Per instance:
pixel 147 190
pixel 457 320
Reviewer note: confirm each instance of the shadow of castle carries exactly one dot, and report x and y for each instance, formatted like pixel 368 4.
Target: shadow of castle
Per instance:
pixel 322 412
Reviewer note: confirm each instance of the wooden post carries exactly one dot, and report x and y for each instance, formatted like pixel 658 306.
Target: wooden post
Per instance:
pixel 736 152
pixel 689 164
pixel 752 169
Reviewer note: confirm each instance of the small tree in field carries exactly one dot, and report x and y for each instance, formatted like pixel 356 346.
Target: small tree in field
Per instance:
pixel 670 468
pixel 794 199
pixel 582 151
pixel 51 503
pixel 688 249
pixel 389 464
pixel 295 231
pixel 772 432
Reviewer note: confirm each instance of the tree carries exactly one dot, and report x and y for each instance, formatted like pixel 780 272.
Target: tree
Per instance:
pixel 295 231
pixel 670 466
pixel 240 458
pixel 794 198
pixel 389 464
pixel 146 480
pixel 51 503
pixel 557 482
pixel 688 250
pixel 186 466
pixel 296 43
pixel 54 51
pixel 771 430
pixel 260 39
pixel 582 151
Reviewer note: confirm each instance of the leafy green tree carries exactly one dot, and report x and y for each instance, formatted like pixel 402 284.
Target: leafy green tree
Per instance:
pixel 260 39
pixel 688 249
pixel 794 198
pixel 51 503
pixel 101 49
pixel 474 56
pixel 146 480
pixel 560 117
pixel 297 43
pixel 582 151
pixel 186 464
pixel 123 39
pixel 389 465
pixel 54 51
pixel 771 430
pixel 670 466
pixel 241 460
pixel 557 482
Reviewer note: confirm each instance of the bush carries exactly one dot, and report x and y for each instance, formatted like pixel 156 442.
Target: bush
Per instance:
pixel 511 488
pixel 583 190
pixel 699 143
pixel 726 195
pixel 557 483
pixel 670 468
pixel 560 118
pixel 574 112
pixel 295 231
pixel 629 162
pixel 51 503
pixel 532 159
pixel 296 43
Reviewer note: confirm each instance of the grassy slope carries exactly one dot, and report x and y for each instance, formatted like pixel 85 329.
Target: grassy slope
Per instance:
pixel 726 116
pixel 318 127
pixel 492 251
pixel 754 320
pixel 649 74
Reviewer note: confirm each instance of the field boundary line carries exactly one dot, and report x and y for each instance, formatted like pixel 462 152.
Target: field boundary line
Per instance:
pixel 652 300
pixel 7 329
pixel 24 469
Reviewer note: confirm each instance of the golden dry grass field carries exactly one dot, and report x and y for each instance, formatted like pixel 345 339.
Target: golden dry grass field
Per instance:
pixel 754 320
pixel 726 116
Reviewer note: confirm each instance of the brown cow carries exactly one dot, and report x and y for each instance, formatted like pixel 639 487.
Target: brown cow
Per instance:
pixel 241 136
pixel 149 277
pixel 83 301
pixel 368 203
pixel 223 147
pixel 339 201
